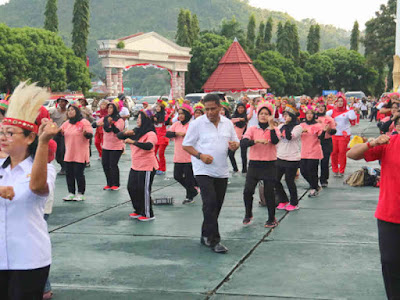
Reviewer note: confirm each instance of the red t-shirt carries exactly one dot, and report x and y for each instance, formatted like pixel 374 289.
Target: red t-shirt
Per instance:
pixel 388 208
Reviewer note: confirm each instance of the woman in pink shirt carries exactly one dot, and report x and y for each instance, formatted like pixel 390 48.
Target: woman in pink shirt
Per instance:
pixel 112 146
pixel 262 140
pixel 77 133
pixel 239 120
pixel 311 151
pixel 142 141
pixel 183 171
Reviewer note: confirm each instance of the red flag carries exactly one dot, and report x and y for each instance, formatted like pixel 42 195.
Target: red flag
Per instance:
pixel 87 61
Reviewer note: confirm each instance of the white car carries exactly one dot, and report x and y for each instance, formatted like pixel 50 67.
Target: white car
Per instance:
pixel 49 104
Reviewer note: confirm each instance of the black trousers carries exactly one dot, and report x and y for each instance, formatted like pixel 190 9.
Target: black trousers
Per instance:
pixel 254 175
pixel 289 169
pixel 364 114
pixel 139 188
pixel 327 149
pixel 243 153
pixel 60 153
pixel 183 173
pixel 389 246
pixel 110 159
pixel 374 113
pixel 75 172
pixel 23 284
pixel 309 170
pixel 212 194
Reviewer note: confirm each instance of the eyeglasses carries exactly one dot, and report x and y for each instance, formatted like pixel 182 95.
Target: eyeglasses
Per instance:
pixel 8 134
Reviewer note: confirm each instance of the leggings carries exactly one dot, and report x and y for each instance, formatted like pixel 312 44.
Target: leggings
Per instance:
pixel 289 169
pixel 160 149
pixel 338 156
pixel 139 188
pixel 183 173
pixel 243 153
pixel 327 150
pixel 110 161
pixel 389 246
pixel 309 170
pixel 75 172
pixel 23 284
pixel 60 152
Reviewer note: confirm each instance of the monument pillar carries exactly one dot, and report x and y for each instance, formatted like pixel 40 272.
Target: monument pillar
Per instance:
pixel 109 80
pixel 120 80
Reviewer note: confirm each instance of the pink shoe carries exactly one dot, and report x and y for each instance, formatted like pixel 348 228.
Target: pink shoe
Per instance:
pixel 291 207
pixel 282 206
pixel 135 216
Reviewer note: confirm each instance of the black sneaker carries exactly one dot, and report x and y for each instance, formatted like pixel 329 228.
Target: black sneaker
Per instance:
pixel 271 224
pixel 324 185
pixel 247 221
pixel 219 248
pixel 188 201
pixel 204 241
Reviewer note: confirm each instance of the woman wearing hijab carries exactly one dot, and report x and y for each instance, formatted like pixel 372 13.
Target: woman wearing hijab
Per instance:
pixel 98 137
pixel 344 118
pixel 239 120
pixel 262 140
pixel 161 120
pixel 77 132
pixel 183 171
pixel 288 158
pixel 112 146
pixel 142 141
pixel 311 151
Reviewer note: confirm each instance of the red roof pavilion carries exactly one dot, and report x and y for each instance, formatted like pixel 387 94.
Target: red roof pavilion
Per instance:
pixel 235 73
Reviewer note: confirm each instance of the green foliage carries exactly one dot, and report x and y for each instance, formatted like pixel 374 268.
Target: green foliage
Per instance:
pixel 313 39
pixel 195 28
pixel 321 69
pixel 260 36
pixel 80 29
pixel 121 45
pixel 41 56
pixel 187 28
pixel 287 42
pixel 355 37
pixel 233 29
pixel 51 19
pixel 251 31
pixel 268 31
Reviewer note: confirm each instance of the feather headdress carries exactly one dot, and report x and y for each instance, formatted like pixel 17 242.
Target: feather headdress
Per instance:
pixel 24 106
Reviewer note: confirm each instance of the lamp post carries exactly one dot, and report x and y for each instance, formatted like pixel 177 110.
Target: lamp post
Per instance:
pixel 396 58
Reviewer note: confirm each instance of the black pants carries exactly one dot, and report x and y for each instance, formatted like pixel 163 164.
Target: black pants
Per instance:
pixel 364 114
pixel 389 246
pixel 254 175
pixel 23 284
pixel 243 153
pixel 309 170
pixel 110 159
pixel 212 194
pixel 59 139
pixel 374 113
pixel 289 169
pixel 75 172
pixel 327 149
pixel 139 188
pixel 183 173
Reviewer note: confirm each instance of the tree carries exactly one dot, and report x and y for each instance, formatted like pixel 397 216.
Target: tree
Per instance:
pixel 260 37
pixel 50 14
pixel 232 29
pixel 321 69
pixel 268 34
pixel 280 39
pixel 288 41
pixel 80 31
pixel 313 39
pixel 195 28
pixel 251 31
pixel 355 37
pixel 188 24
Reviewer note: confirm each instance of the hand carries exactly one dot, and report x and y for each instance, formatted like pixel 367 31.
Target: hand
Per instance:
pixel 207 159
pixel 47 131
pixel 327 128
pixel 129 141
pixel 271 121
pixel 233 145
pixel 305 130
pixel 381 140
pixel 129 132
pixel 180 133
pixel 264 142
pixel 109 119
pixel 7 192
pixel 100 124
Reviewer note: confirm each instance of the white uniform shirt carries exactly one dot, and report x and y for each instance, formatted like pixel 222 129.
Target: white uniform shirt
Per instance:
pixel 343 122
pixel 211 140
pixel 124 113
pixel 24 238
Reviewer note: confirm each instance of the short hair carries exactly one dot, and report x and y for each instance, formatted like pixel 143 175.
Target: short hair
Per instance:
pixel 212 97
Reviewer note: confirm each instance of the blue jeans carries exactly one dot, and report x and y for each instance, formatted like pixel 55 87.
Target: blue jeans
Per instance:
pixel 47 287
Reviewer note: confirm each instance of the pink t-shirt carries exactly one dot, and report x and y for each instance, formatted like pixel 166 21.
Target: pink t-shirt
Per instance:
pixel 325 120
pixel 180 155
pixel 239 131
pixel 261 152
pixel 310 143
pixel 110 140
pixel 76 145
pixel 144 160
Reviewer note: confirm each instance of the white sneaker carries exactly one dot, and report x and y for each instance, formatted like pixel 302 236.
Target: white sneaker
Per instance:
pixel 69 197
pixel 79 197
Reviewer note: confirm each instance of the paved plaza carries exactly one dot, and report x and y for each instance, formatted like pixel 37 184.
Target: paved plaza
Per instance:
pixel 326 250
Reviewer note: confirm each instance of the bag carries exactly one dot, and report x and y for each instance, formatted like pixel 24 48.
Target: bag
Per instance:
pixel 356 140
pixel 364 177
pixel 356 179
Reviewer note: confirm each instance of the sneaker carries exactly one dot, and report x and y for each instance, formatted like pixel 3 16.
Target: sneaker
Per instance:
pixel 283 205
pixel 69 197
pixel 291 207
pixel 87 165
pixel 106 188
pixel 335 174
pixel 79 197
pixel 219 248
pixel 271 224
pixel 324 185
pixel 115 188
pixel 47 295
pixel 62 172
pixel 158 172
pixel 340 175
pixel 188 201
pixel 204 241
pixel 146 219
pixel 247 221
pixel 197 189
pixel 313 193
pixel 134 216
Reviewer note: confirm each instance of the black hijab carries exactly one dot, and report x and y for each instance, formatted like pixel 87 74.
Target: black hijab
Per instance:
pixel 146 126
pixel 78 115
pixel 321 114
pixel 160 116
pixel 236 114
pixel 287 128
pixel 313 120
pixel 188 117
pixel 114 116
pixel 264 125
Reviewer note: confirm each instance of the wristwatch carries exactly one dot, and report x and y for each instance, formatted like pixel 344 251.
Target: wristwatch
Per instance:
pixel 198 155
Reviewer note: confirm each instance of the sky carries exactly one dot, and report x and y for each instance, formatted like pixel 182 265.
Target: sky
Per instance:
pixel 340 13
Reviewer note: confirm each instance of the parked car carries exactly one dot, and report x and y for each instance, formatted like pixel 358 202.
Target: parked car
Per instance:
pixel 49 104
pixel 355 94
pixel 195 97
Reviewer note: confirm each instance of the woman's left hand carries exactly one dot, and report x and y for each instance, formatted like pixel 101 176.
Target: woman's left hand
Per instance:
pixel 129 141
pixel 47 131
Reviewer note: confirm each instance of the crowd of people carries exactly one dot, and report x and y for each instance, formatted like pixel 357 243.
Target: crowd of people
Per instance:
pixel 277 137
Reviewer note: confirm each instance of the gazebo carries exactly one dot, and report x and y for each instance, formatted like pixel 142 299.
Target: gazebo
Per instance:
pixel 236 74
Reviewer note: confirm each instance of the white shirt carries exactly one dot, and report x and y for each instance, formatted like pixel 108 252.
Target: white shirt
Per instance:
pixel 124 113
pixel 211 140
pixel 24 238
pixel 343 124
pixel 290 150
pixel 254 120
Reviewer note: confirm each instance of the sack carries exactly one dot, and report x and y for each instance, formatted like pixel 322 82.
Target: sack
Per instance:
pixel 356 140
pixel 364 177
pixel 356 179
